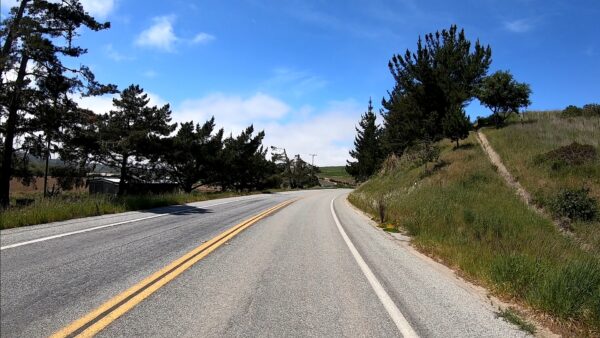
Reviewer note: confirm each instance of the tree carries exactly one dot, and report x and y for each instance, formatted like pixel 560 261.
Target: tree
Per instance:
pixel 38 36
pixel 503 95
pixel 191 155
pixel 243 165
pixel 367 147
pixel 456 125
pixel 128 135
pixel 443 73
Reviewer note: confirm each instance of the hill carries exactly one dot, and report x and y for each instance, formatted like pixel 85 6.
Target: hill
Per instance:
pixel 335 174
pixel 463 213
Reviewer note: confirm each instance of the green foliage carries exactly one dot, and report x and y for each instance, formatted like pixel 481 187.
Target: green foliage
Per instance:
pixel 295 173
pixel 38 36
pixel 69 206
pixel 243 165
pixel 592 109
pixel 456 125
pixel 573 154
pixel 131 132
pixel 503 95
pixel 511 316
pixel 443 73
pixel 538 151
pixel 367 147
pixel 572 111
pixel 588 110
pixel 191 156
pixel 575 204
pixel 467 216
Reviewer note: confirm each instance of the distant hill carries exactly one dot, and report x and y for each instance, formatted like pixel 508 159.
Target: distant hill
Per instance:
pixel 336 174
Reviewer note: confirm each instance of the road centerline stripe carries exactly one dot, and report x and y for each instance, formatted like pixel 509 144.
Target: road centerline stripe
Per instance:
pixel 397 317
pixel 42 239
pixel 102 316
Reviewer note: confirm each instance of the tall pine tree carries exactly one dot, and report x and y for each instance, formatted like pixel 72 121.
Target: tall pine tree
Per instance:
pixel 37 39
pixel 128 135
pixel 367 147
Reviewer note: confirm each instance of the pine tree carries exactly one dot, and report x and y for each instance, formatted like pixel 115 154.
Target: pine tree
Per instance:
pixel 456 125
pixel 129 134
pixel 37 38
pixel 367 147
pixel 443 73
pixel 190 156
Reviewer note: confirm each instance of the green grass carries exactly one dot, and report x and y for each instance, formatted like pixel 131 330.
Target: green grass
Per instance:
pixel 336 171
pixel 71 206
pixel 465 214
pixel 511 316
pixel 519 144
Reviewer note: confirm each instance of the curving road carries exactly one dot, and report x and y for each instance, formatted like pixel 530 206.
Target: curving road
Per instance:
pixel 312 268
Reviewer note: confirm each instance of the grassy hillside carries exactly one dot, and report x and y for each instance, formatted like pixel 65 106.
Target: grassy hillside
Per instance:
pixel 524 148
pixel 336 173
pixel 464 214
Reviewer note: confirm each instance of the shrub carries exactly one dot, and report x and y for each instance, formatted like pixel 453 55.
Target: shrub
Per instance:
pixel 572 111
pixel 592 109
pixel 575 204
pixel 572 154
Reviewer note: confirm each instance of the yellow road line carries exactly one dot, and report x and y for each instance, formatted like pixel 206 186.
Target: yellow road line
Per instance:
pixel 125 301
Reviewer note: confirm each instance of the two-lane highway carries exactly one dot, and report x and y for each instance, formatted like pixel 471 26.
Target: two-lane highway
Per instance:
pixel 311 268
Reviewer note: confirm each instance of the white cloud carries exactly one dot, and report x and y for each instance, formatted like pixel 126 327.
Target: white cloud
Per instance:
pixel 328 132
pixel 160 35
pixel 203 38
pixel 518 26
pixel 233 111
pixel 103 104
pixel 98 8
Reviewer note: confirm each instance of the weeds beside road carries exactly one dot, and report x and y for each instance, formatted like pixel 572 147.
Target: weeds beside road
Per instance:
pixel 464 213
pixel 76 205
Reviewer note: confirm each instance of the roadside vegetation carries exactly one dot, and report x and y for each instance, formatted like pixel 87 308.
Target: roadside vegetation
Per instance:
pixel 425 174
pixel 135 141
pixel 75 205
pixel 556 157
pixel 459 209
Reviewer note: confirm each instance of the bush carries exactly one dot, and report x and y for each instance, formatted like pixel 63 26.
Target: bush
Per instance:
pixel 572 154
pixel 592 109
pixel 572 111
pixel 575 204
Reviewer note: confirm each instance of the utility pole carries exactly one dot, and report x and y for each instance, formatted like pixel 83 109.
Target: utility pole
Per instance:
pixel 312 165
pixel 313 159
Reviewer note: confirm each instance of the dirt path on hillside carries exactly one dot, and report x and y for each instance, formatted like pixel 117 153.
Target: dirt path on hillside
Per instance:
pixel 523 194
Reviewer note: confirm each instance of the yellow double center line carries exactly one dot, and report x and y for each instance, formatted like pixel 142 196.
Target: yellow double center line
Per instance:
pixel 106 313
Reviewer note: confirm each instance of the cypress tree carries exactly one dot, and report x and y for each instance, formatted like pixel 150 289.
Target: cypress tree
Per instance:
pixel 367 147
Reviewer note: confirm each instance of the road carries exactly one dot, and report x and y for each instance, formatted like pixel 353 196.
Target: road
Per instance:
pixel 311 268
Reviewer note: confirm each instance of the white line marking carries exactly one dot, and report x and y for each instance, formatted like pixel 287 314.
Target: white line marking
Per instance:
pixel 106 226
pixel 401 323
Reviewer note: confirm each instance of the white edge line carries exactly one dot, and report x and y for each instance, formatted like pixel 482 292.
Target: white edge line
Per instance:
pixel 105 226
pixel 401 323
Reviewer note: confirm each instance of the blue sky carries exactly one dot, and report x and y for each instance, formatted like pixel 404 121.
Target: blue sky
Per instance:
pixel 304 70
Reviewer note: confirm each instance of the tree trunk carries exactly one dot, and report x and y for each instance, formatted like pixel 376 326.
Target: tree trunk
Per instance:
pixel 456 143
pixel 122 182
pixel 46 169
pixel 11 126
pixel 10 38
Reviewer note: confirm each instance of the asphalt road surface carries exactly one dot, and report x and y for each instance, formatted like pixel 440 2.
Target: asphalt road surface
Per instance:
pixel 311 268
